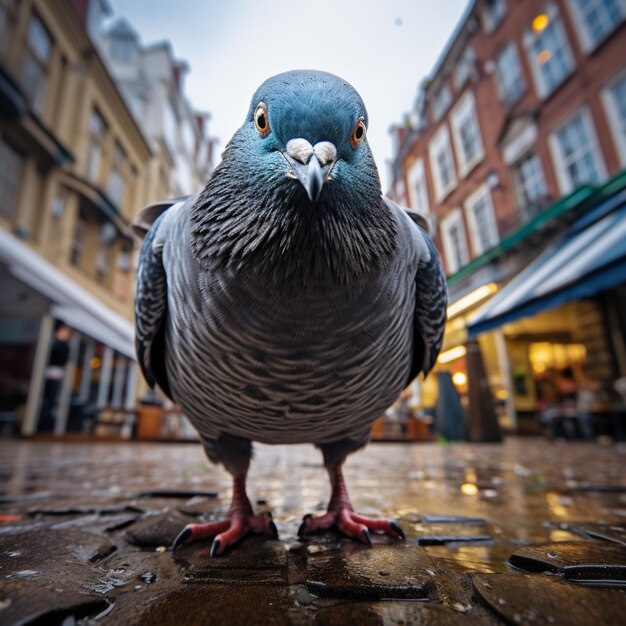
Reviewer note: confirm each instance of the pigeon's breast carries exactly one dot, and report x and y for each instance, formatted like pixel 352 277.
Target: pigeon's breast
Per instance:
pixel 276 366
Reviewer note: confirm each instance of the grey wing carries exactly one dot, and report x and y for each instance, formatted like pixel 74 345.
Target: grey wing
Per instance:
pixel 431 295
pixel 431 301
pixel 151 310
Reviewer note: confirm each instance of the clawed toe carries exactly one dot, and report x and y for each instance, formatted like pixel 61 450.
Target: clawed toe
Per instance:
pixel 350 524
pixel 182 536
pixel 227 532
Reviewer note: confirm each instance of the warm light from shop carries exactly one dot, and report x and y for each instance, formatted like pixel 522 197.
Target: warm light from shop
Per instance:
pixel 469 489
pixel 459 378
pixel 453 353
pixel 472 298
pixel 95 363
pixel 540 22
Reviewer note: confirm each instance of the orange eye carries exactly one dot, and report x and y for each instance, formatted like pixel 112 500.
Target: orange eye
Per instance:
pixel 358 134
pixel 260 119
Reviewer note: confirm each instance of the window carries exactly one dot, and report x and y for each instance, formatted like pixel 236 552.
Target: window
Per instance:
pixel 123 49
pixel 481 219
pixel 575 152
pixel 493 13
pixel 466 133
pixel 595 20
pixel 464 67
pixel 529 183
pixel 441 102
pixel 453 237
pixel 116 186
pixel 418 193
pixel 35 62
pixel 11 171
pixel 8 11
pixel 441 163
pixel 79 239
pixel 97 136
pixel 104 252
pixel 549 53
pixel 509 73
pixel 614 98
pixel 122 279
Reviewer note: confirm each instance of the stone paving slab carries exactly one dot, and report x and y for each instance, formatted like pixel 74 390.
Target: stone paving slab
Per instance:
pixel 582 560
pixel 382 571
pixel 78 546
pixel 540 600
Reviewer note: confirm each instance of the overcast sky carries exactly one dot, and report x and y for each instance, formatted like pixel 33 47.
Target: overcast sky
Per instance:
pixel 384 48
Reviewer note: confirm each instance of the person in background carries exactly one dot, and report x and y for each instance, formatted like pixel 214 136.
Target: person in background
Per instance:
pixel 59 356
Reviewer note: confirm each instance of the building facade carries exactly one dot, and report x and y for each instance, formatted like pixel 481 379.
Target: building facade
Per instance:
pixel 75 166
pixel 152 80
pixel 512 138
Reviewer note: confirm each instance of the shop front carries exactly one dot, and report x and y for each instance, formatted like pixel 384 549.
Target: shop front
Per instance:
pixel 65 355
pixel 560 323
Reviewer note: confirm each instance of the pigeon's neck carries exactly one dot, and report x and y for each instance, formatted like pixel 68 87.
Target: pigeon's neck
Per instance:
pixel 283 239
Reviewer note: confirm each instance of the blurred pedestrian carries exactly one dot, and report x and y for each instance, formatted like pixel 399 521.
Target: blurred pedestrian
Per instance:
pixel 55 371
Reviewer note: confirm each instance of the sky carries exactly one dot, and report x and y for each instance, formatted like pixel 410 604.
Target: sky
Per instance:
pixel 383 48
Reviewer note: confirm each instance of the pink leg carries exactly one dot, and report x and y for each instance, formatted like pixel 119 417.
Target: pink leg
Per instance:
pixel 240 520
pixel 341 514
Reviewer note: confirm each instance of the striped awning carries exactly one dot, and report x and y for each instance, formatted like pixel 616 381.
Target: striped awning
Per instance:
pixel 591 257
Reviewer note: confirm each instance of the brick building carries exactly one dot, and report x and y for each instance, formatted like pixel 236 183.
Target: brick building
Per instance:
pixel 512 138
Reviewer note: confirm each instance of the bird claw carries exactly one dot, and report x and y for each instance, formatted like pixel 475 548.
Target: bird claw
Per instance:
pixel 215 548
pixel 396 529
pixel 350 524
pixel 182 536
pixel 228 531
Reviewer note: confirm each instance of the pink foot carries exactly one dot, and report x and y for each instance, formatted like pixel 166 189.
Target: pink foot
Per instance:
pixel 341 515
pixel 351 524
pixel 228 531
pixel 240 520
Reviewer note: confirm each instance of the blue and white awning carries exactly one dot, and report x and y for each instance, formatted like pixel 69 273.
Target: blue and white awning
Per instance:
pixel 590 258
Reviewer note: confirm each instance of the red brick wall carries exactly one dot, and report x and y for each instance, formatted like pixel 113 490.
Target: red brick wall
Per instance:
pixel 583 86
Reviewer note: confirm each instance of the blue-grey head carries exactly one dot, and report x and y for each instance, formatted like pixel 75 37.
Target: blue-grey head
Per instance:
pixel 297 189
pixel 317 123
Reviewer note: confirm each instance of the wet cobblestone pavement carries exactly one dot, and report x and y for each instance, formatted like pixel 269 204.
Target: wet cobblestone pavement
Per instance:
pixel 528 532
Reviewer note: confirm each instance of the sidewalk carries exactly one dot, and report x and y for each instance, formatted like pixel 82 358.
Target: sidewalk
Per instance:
pixel 527 532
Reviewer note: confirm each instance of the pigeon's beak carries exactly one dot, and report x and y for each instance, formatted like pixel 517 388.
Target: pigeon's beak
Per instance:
pixel 311 165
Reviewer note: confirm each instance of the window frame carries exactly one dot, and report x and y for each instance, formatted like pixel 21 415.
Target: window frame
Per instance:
pixel 465 112
pixel 14 182
pixel 585 37
pixel 31 57
pixel 492 19
pixel 452 219
pixel 418 187
pixel 509 98
pixel 481 193
pixel 544 90
pixel 441 139
pixel 566 184
pixel 520 189
pixel 618 126
pixel 97 141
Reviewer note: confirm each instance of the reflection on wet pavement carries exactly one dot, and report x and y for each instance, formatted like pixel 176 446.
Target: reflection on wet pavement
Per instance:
pixel 524 532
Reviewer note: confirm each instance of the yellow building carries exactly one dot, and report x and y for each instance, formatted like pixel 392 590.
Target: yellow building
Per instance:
pixel 73 171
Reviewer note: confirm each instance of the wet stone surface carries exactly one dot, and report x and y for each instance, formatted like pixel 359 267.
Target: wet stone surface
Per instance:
pixel 583 561
pixel 538 537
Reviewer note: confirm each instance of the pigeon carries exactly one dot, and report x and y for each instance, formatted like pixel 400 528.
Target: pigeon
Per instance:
pixel 289 301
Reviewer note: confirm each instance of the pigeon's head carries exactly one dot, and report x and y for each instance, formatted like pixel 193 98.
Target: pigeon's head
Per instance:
pixel 297 193
pixel 310 127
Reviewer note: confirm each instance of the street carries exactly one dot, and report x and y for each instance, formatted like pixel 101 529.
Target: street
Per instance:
pixel 525 532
